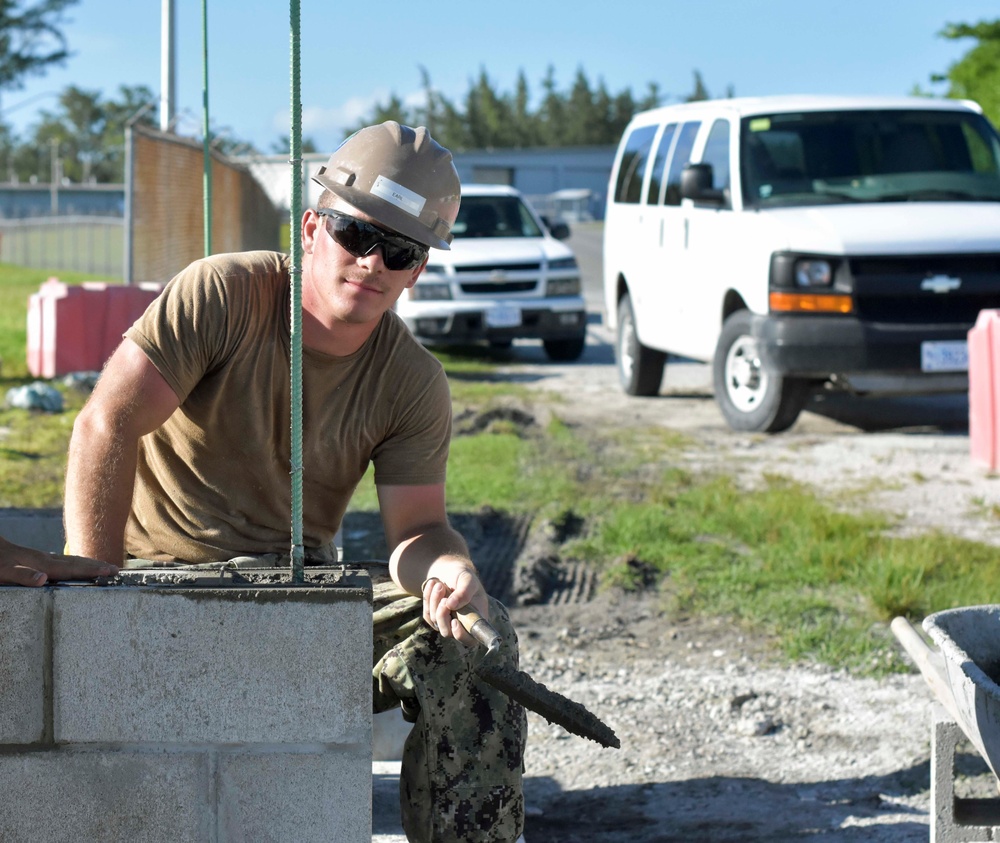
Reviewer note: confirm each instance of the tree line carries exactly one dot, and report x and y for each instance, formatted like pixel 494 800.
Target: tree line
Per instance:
pixel 486 118
pixel 85 134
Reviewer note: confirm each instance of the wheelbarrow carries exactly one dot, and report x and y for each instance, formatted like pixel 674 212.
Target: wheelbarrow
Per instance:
pixel 964 671
pixel 963 674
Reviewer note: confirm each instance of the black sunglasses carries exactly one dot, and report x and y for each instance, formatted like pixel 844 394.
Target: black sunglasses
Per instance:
pixel 361 238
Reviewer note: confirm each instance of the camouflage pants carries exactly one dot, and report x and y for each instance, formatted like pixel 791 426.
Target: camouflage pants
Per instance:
pixel 463 760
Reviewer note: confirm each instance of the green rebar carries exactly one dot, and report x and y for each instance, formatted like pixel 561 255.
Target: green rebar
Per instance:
pixel 207 143
pixel 295 249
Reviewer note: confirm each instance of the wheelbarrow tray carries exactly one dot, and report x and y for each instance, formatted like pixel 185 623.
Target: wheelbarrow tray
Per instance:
pixel 969 641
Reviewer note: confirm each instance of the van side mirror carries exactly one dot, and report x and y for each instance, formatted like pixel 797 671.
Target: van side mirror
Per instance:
pixel 696 184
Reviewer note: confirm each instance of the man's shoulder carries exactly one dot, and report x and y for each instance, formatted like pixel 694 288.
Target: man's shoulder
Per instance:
pixel 405 351
pixel 244 264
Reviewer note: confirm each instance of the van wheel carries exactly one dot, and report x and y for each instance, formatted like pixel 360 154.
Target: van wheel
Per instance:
pixel 751 397
pixel 640 369
pixel 564 351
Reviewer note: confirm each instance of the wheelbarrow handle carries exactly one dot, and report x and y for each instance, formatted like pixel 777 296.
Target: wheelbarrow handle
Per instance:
pixel 930 663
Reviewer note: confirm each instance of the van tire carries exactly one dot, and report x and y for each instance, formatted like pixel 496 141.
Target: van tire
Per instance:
pixel 750 397
pixel 564 351
pixel 640 369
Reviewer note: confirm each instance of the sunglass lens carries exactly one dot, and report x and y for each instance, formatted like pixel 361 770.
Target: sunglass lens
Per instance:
pixel 359 238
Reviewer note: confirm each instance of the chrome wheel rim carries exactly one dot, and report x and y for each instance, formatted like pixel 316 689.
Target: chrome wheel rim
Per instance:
pixel 746 378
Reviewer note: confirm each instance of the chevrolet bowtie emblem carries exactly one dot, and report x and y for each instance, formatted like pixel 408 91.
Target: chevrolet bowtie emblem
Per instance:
pixel 497 276
pixel 940 284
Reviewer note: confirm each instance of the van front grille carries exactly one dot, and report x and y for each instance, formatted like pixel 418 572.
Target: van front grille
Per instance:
pixel 925 289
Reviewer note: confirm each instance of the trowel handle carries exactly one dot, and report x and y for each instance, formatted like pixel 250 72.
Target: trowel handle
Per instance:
pixel 480 628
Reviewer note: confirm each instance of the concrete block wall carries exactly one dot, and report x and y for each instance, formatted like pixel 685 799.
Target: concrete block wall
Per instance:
pixel 209 714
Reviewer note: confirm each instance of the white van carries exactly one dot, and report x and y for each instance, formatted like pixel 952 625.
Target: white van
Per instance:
pixel 802 241
pixel 507 276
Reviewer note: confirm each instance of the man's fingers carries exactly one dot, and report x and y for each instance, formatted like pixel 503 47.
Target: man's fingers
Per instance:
pixel 21 575
pixel 60 567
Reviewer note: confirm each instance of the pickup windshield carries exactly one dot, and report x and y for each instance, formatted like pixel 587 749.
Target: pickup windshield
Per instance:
pixel 819 158
pixel 494 216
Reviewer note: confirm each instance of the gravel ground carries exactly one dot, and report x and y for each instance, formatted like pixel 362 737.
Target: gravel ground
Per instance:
pixel 718 742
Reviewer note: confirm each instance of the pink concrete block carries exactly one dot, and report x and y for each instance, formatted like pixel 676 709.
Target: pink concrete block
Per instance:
pixel 984 389
pixel 76 328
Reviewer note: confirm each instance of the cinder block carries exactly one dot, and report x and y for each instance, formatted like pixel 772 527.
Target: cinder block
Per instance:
pixel 71 796
pixel 203 665
pixel 23 664
pixel 308 797
pixel 955 820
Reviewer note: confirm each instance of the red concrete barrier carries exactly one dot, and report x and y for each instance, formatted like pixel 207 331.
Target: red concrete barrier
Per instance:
pixel 75 328
pixel 984 389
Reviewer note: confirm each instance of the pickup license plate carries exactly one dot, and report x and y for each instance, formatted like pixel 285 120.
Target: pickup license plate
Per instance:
pixel 944 356
pixel 503 316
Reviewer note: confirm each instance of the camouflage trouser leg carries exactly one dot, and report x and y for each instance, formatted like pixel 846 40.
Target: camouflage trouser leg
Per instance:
pixel 463 760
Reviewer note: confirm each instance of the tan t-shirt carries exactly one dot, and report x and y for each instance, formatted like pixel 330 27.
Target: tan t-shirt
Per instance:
pixel 214 481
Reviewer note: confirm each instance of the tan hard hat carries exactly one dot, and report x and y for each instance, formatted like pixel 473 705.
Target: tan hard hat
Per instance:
pixel 401 177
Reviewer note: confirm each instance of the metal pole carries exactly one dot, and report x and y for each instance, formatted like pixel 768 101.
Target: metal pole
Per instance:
pixel 207 143
pixel 295 250
pixel 167 65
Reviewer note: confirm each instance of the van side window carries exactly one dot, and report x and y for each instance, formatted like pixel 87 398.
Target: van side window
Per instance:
pixel 660 165
pixel 681 157
pixel 717 154
pixel 633 164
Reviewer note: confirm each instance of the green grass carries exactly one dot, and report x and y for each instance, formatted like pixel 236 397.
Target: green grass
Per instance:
pixel 32 444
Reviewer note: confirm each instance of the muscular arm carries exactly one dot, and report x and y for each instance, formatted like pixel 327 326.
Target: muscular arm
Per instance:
pixel 424 546
pixel 131 399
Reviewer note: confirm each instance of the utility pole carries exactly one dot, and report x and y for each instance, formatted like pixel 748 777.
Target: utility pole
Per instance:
pixel 167 66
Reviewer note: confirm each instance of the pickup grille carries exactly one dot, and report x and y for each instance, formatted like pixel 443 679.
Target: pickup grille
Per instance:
pixel 506 267
pixel 491 288
pixel 888 289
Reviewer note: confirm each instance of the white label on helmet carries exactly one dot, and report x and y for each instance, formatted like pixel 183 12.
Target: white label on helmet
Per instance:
pixel 401 197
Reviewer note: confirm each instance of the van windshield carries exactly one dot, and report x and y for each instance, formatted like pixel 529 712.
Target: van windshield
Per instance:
pixel 813 158
pixel 494 216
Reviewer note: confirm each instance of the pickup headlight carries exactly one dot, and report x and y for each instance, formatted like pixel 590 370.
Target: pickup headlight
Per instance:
pixel 563 263
pixel 430 291
pixel 563 287
pixel 812 272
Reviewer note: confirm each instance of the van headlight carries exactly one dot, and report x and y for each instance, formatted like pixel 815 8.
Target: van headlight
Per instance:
pixel 563 287
pixel 430 291
pixel 813 272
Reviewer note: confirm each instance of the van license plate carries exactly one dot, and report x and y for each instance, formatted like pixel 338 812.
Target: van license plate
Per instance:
pixel 944 356
pixel 503 316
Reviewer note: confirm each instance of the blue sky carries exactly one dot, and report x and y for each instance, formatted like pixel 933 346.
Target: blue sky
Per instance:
pixel 356 54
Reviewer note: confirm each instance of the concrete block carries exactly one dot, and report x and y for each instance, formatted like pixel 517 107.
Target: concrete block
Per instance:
pixel 24 662
pixel 308 797
pixel 71 796
pixel 955 820
pixel 41 529
pixel 202 665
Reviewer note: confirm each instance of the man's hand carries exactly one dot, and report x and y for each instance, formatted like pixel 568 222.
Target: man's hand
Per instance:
pixel 442 600
pixel 26 566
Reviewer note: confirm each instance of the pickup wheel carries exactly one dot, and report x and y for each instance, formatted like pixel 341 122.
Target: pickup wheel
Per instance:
pixel 564 351
pixel 640 369
pixel 750 397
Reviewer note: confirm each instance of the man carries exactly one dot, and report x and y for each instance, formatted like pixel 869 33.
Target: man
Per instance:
pixel 182 454
pixel 27 566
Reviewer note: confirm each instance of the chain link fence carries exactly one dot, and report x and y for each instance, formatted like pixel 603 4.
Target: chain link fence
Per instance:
pixel 68 243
